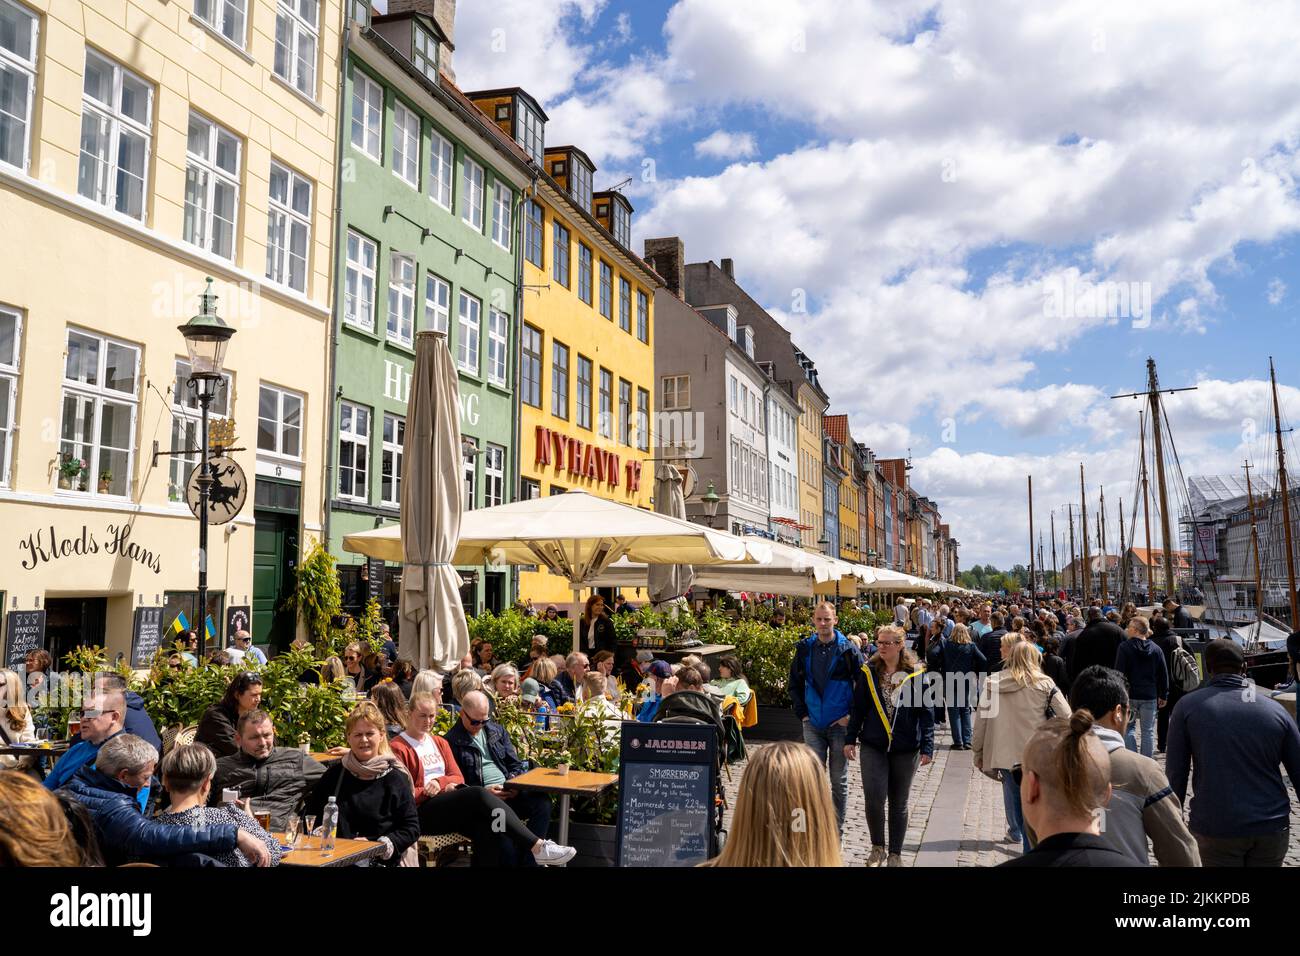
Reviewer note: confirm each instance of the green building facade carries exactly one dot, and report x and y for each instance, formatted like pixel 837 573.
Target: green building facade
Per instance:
pixel 428 238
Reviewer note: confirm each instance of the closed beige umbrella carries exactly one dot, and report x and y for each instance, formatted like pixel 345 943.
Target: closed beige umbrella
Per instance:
pixel 669 581
pixel 432 629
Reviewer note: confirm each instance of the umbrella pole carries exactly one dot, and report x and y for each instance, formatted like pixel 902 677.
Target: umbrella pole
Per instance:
pixel 577 615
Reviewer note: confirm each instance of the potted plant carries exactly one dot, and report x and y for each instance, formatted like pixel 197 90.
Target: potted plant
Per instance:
pixel 71 471
pixel 105 482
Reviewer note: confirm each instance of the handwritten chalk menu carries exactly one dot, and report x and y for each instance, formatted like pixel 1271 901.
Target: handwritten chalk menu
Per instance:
pixel 667 778
pixel 146 636
pixel 24 633
pixel 375 580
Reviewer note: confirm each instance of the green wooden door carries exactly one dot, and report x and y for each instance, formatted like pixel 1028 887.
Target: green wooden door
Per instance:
pixel 275 551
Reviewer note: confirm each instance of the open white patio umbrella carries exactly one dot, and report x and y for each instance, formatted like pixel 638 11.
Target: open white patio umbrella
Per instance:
pixel 575 535
pixel 431 627
pixel 668 581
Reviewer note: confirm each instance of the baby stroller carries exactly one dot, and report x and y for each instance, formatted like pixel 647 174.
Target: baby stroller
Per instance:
pixel 695 707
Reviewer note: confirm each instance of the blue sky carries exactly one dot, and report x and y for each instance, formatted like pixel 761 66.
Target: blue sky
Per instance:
pixel 929 175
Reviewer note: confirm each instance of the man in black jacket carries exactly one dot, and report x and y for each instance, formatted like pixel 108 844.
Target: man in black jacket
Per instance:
pixel 991 643
pixel 1177 615
pixel 1097 643
pixel 277 778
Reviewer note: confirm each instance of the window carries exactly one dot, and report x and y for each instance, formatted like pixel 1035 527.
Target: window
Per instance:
pixel 530 132
pixel 406 145
pixel 642 419
pixel 501 200
pixel 494 476
pixel 354 448
pixel 390 462
pixel 367 115
pixel 467 319
pixel 279 421
pixel 361 11
pixel 442 167
pixel 642 316
pixel 624 305
pixel 533 235
pixel 187 426
pixel 559 380
pixel 17 81
pixel 401 299
pixel 584 273
pixel 530 489
pixel 677 392
pixel 225 16
pixel 624 411
pixel 580 184
pixel 503 111
pixel 498 343
pixel 585 370
pixel 531 373
pixel 606 423
pixel 97 438
pixel 116 118
pixel 469 467
pixel 622 225
pixel 10 340
pixel 426 53
pixel 437 303
pixel 295 43
pixel 471 196
pixel 359 282
pixel 288 228
pixel 733 395
pixel 560 254
pixel 731 326
pixel 606 291
pixel 211 187
pixel 558 167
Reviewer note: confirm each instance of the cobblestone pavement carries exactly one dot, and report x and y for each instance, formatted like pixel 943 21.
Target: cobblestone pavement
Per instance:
pixel 956 817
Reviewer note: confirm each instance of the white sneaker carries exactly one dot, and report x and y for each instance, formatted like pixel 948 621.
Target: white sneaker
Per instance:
pixel 551 853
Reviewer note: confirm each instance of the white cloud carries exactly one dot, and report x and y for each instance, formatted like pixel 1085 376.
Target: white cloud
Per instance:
pixel 724 145
pixel 1276 291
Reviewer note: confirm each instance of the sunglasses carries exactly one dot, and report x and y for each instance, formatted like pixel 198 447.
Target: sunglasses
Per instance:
pixel 349 657
pixel 476 723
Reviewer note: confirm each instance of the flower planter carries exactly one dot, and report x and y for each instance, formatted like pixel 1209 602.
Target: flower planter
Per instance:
pixel 597 844
pixel 65 483
pixel 775 723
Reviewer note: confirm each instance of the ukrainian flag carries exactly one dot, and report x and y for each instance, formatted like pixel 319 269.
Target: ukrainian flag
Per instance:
pixel 210 628
pixel 181 623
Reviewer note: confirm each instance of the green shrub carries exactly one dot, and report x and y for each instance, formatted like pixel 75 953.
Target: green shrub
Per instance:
pixel 317 596
pixel 766 653
pixel 511 633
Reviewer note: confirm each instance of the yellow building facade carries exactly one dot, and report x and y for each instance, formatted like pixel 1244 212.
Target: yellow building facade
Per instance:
pixel 811 409
pixel 157 148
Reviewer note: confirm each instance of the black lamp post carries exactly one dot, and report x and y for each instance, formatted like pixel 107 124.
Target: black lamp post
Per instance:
pixel 710 499
pixel 206 339
pixel 823 542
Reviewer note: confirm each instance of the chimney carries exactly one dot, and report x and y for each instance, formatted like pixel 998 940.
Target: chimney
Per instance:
pixel 668 257
pixel 728 269
pixel 443 13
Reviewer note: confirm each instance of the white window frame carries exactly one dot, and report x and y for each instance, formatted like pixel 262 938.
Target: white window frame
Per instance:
pixel 494 475
pixel 469 322
pixel 501 200
pixel 401 299
pixel 302 72
pixel 390 459
pixel 282 219
pixel 351 436
pixel 605 397
pixel 203 219
pixel 371 123
pixel 643 316
pixel 98 394
pixel 625 305
pixel 674 385
pixel 498 339
pixel 437 303
pixel 425 55
pixel 187 420
pixel 13 63
pixel 643 419
pixel 583 390
pixel 281 426
pixel 469 470
pixel 625 413
pixel 442 169
pixel 9 374
pixel 406 144
pixel 363 273
pixel 218 17
pixel 472 195
pixel 105 192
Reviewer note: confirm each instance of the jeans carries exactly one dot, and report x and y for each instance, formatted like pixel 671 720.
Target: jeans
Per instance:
pixel 1145 711
pixel 1267 850
pixel 961 725
pixel 887 777
pixel 1015 818
pixel 829 741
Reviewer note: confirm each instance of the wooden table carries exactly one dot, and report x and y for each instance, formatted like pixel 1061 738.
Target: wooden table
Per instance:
pixel 1286 700
pixel 56 750
pixel 324 757
pixel 345 852
pixel 578 783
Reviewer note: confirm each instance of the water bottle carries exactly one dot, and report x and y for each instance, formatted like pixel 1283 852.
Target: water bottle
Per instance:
pixel 329 823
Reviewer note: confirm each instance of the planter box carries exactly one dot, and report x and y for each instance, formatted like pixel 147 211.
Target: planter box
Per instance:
pixel 597 844
pixel 776 723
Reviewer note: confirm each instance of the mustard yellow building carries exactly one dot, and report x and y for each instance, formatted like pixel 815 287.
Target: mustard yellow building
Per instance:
pixel 812 405
pixel 587 340
pixel 148 145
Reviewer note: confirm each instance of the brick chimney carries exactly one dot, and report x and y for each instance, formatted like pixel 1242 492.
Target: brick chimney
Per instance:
pixel 443 13
pixel 668 257
pixel 729 269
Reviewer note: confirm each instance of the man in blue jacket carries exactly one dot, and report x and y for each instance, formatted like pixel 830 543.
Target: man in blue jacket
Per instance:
pixel 108 790
pixel 135 720
pixel 1143 663
pixel 1234 737
pixel 103 718
pixel 821 691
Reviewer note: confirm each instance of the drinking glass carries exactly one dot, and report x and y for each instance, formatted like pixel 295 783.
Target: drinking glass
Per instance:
pixel 291 826
pixel 309 820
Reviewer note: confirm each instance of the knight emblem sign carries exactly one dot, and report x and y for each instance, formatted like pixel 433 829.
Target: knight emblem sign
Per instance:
pixel 227 493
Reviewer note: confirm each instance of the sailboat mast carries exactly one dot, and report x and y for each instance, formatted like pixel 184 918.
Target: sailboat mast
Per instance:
pixel 1032 590
pixel 1286 502
pixel 1157 439
pixel 1083 528
pixel 1146 495
pixel 1254 547
pixel 1056 578
pixel 1105 591
pixel 1074 561
pixel 1123 555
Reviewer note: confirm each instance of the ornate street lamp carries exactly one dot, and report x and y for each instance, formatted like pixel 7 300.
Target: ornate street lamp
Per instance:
pixel 710 500
pixel 206 340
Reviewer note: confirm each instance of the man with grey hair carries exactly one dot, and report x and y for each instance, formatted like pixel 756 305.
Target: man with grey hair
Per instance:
pixel 123 765
pixel 575 668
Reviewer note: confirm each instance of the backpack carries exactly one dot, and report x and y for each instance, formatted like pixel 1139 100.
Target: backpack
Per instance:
pixel 1183 668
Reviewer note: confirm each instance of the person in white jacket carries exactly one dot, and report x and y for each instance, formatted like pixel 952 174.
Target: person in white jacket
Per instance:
pixel 16 725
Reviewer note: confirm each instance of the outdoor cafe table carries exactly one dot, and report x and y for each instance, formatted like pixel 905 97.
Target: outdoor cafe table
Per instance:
pixel 1286 700
pixel 55 750
pixel 324 757
pixel 345 852
pixel 577 783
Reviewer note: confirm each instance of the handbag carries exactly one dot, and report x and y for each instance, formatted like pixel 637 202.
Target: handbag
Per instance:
pixel 1048 712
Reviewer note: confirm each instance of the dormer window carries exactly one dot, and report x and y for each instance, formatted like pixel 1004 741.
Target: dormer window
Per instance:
pixel 580 183
pixel 558 167
pixel 622 225
pixel 426 53
pixel 529 131
pixel 503 111
pixel 602 210
pixel 749 341
pixel 731 325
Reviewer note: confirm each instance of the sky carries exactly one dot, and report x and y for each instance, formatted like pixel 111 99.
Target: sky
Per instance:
pixel 978 219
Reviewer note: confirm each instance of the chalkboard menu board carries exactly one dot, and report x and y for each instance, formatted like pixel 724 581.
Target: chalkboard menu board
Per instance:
pixel 375 580
pixel 667 778
pixel 24 633
pixel 146 636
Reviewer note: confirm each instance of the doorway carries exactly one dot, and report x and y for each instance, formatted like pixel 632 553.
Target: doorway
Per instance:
pixel 74 622
pixel 275 558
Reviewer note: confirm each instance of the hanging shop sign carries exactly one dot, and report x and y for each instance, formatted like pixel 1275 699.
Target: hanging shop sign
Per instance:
pixel 227 493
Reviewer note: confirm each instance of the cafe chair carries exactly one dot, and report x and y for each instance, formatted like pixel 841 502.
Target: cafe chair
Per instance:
pixel 434 848
pixel 172 736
